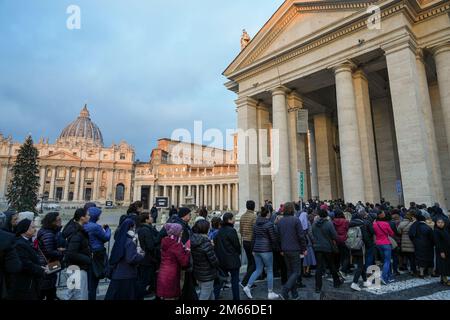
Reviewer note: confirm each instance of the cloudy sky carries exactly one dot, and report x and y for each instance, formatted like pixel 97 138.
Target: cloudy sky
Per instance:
pixel 144 67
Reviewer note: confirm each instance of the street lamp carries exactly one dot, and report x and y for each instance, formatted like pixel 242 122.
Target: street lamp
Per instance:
pixel 42 197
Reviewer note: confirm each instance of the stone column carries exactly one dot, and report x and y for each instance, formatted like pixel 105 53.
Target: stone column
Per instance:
pixel 151 200
pixel 165 191
pixel 77 185
pixel 298 148
pixel 137 194
pixel 174 199
pixel 81 190
pixel 264 156
pixel 367 139
pixel 95 185
pixel 313 162
pixel 3 181
pixel 281 175
pixel 442 59
pixel 213 194
pixel 51 194
pixel 221 197
pixel 181 195
pixel 350 145
pixel 205 195
pixel 67 184
pixel 236 196
pixel 247 151
pixel 197 195
pixel 190 190
pixel 413 144
pixel 326 169
pixel 429 129
pixel 229 198
pixel 41 181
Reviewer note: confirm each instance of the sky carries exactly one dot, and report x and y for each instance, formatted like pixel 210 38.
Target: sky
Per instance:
pixel 143 67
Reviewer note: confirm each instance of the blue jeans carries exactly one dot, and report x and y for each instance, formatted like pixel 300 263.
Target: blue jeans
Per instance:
pixel 263 259
pixel 386 252
pixel 369 257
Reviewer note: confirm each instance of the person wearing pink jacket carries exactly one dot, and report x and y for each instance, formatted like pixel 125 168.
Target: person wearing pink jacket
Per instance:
pixel 383 231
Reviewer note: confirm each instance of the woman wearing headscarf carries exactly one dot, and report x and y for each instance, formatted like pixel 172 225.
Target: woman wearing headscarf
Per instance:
pixel 124 261
pixel 25 284
pixel 442 241
pixel 174 257
pixel 422 237
pixel 47 243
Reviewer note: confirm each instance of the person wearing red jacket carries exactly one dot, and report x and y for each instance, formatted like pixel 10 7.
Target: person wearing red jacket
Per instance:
pixel 174 257
pixel 343 258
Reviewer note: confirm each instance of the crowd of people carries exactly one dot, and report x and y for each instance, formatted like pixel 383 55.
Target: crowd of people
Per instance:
pixel 195 258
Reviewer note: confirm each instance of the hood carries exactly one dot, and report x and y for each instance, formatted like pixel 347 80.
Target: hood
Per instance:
pixel 167 243
pixel 321 221
pixel 94 214
pixel 198 239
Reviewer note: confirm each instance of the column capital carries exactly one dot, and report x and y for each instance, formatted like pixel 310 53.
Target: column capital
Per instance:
pixel 359 73
pixel 406 42
pixel 246 102
pixel 440 48
pixel 345 66
pixel 280 90
pixel 295 101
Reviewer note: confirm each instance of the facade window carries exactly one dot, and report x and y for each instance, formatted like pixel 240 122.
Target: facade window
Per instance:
pixel 74 153
pixel 70 196
pixel 50 152
pixel 122 156
pixel 120 192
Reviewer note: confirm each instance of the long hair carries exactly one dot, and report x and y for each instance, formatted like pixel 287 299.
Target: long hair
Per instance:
pixel 49 220
pixel 133 208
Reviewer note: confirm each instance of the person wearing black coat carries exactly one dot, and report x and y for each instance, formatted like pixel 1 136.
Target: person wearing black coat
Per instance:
pixel 11 221
pixel 154 213
pixel 228 251
pixel 47 242
pixel 204 260
pixel 423 239
pixel 183 217
pixel 25 285
pixel 9 261
pixel 79 257
pixel 150 243
pixel 442 241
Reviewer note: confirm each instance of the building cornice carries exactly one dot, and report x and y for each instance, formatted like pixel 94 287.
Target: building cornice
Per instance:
pixel 250 68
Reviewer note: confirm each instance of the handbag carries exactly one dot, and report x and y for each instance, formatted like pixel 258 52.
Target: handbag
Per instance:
pixel 394 243
pixel 99 262
pixel 54 266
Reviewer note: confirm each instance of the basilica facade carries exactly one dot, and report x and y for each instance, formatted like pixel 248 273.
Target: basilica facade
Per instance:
pixel 79 168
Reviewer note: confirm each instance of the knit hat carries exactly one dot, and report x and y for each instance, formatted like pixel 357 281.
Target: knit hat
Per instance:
pixel 23 226
pixel 94 214
pixel 183 212
pixel 173 229
pixel 324 207
pixel 25 215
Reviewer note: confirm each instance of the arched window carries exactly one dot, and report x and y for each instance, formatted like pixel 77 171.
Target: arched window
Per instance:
pixel 120 192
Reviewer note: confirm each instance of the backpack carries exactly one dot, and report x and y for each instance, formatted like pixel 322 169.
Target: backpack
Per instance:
pixel 354 239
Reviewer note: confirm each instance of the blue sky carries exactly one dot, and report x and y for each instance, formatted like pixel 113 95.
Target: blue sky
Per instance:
pixel 144 67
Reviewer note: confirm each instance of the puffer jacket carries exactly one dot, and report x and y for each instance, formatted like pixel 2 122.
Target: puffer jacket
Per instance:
pixel 173 258
pixel 406 243
pixel 264 237
pixel 204 258
pixel 97 235
pixel 341 226
pixel 47 241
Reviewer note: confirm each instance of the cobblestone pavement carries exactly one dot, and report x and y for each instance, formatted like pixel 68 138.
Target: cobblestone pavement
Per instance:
pixel 404 288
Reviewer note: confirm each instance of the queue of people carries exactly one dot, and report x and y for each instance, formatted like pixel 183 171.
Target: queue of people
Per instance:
pixel 190 260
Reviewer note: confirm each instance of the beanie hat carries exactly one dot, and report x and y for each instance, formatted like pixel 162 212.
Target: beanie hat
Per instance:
pixel 173 229
pixel 183 212
pixel 89 205
pixel 94 213
pixel 23 226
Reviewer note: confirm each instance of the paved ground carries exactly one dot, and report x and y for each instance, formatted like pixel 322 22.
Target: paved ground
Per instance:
pixel 405 288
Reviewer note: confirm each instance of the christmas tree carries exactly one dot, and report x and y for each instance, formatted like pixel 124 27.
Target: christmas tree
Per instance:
pixel 24 186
